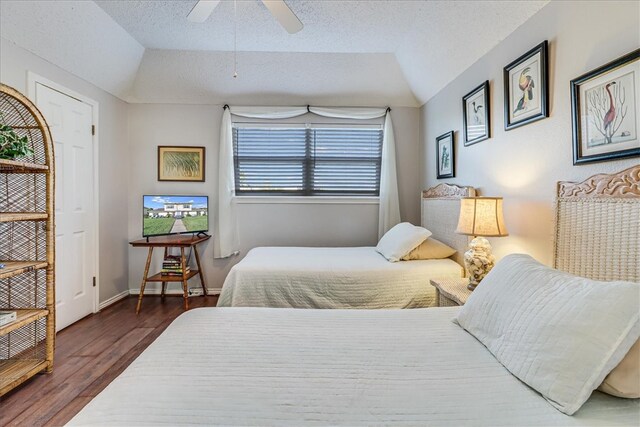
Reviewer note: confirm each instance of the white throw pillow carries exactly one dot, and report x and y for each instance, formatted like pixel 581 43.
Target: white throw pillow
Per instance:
pixel 560 334
pixel 401 240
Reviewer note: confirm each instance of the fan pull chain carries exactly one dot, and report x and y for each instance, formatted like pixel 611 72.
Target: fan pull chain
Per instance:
pixel 235 39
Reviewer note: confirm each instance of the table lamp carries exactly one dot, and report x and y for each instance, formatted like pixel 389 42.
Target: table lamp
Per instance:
pixel 480 217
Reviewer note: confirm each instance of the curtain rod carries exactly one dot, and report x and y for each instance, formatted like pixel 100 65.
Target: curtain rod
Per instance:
pixel 225 106
pixel 293 124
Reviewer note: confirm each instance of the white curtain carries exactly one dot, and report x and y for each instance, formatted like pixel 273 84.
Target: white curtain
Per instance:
pixel 269 112
pixel 226 229
pixel 389 210
pixel 349 113
pixel 225 239
pixel 225 234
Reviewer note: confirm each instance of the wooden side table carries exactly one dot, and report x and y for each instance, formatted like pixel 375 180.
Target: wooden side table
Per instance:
pixel 166 242
pixel 451 291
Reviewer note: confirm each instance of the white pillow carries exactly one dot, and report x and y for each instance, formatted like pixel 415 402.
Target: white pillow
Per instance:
pixel 401 240
pixel 624 379
pixel 560 334
pixel 430 249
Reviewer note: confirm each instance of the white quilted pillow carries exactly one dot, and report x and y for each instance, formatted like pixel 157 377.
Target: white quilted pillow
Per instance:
pixel 560 334
pixel 400 240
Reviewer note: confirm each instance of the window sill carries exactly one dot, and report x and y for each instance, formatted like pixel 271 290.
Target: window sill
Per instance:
pixel 303 200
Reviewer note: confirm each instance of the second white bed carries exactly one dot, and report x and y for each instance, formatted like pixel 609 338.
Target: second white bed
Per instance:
pixel 332 278
pixel 287 367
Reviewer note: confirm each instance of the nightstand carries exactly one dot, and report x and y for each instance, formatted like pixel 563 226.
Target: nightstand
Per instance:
pixel 451 291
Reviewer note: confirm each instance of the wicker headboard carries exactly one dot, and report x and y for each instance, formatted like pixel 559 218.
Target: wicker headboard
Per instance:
pixel 597 233
pixel 440 210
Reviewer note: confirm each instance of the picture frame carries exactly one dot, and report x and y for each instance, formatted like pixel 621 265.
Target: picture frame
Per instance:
pixel 476 115
pixel 526 88
pixel 445 156
pixel 605 111
pixel 181 163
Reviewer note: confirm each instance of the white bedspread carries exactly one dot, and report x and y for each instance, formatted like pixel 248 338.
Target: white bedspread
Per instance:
pixel 331 278
pixel 256 366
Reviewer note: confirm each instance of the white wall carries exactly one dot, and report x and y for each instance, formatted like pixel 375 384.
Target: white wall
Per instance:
pixel 260 224
pixel 129 135
pixel 523 165
pixel 113 153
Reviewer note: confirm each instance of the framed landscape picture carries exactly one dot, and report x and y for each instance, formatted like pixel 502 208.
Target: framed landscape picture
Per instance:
pixel 475 114
pixel 605 107
pixel 445 160
pixel 526 88
pixel 180 163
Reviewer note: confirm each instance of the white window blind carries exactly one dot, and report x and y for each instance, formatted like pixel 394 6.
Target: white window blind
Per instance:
pixel 309 161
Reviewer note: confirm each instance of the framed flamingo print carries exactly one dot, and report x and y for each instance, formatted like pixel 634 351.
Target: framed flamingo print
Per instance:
pixel 526 88
pixel 475 114
pixel 605 106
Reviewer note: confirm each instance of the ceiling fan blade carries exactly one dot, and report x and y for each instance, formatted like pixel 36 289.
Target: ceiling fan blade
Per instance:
pixel 284 15
pixel 202 10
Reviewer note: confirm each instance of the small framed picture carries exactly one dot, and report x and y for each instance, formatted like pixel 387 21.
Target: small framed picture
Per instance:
pixel 180 163
pixel 605 107
pixel 445 157
pixel 475 110
pixel 526 88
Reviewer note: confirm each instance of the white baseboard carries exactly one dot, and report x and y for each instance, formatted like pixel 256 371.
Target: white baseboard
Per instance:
pixel 106 303
pixel 157 291
pixel 151 291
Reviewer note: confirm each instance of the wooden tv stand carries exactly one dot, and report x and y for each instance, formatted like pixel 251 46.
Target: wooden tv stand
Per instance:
pixel 166 242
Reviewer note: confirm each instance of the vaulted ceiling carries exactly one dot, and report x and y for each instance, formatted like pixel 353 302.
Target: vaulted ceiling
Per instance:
pixel 349 52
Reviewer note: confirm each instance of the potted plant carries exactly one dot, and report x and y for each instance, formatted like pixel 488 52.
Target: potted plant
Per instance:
pixel 12 146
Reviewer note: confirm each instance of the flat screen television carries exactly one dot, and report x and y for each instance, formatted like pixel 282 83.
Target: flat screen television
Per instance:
pixel 163 215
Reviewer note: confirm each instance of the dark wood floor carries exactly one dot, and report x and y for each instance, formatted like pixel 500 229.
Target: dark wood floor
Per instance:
pixel 89 355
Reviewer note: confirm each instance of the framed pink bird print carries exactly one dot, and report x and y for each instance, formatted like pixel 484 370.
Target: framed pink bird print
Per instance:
pixel 526 88
pixel 606 112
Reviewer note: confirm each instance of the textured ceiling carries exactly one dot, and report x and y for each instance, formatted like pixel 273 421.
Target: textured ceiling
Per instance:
pixel 329 26
pixel 349 52
pixel 77 36
pixel 433 41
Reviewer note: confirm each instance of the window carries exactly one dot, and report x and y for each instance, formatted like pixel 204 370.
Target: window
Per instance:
pixel 307 161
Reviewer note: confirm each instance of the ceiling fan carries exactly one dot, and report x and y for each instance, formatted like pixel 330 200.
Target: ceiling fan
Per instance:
pixel 278 8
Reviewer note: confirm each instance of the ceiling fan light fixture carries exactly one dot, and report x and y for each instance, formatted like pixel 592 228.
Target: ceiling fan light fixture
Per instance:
pixel 284 15
pixel 278 8
pixel 202 10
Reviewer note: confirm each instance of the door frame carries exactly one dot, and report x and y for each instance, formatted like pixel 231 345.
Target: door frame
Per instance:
pixel 32 80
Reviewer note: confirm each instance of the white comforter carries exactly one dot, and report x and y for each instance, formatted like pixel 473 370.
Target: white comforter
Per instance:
pixel 256 366
pixel 331 278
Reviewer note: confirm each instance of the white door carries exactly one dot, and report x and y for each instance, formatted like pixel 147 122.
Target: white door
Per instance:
pixel 70 121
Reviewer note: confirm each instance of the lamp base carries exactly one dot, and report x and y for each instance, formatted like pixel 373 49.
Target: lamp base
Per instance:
pixel 478 261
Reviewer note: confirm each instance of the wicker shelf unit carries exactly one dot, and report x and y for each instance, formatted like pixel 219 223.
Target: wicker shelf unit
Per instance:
pixel 26 246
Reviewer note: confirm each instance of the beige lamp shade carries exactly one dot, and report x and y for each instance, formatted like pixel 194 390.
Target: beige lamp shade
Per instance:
pixel 481 216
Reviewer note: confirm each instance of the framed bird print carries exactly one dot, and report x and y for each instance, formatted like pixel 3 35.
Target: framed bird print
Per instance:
pixel 605 107
pixel 445 160
pixel 526 88
pixel 475 114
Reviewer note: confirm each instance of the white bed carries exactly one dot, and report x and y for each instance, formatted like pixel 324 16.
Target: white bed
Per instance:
pixel 260 366
pixel 263 366
pixel 333 278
